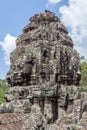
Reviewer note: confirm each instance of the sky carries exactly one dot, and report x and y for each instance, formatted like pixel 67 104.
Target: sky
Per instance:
pixel 15 14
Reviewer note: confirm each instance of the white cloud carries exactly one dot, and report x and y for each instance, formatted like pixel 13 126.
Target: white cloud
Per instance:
pixel 8 44
pixel 74 16
pixel 53 2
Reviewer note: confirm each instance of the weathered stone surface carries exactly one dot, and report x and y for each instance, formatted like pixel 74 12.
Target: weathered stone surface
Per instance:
pixel 41 52
pixel 13 121
pixel 44 77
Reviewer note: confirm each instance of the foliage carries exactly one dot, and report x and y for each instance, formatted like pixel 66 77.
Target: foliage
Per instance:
pixel 3 89
pixel 83 81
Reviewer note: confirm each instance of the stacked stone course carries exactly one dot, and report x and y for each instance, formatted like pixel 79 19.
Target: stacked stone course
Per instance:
pixel 44 77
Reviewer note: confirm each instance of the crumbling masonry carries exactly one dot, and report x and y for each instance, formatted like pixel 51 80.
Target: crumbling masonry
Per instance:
pixel 44 77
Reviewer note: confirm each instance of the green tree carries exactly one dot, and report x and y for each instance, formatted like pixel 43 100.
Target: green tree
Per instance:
pixel 3 89
pixel 83 81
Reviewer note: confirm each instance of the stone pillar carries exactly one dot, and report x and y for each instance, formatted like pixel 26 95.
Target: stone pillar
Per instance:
pixel 48 110
pixel 76 109
pixel 41 103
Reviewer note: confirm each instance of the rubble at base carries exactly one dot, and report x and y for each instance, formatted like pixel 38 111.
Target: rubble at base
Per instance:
pixel 44 80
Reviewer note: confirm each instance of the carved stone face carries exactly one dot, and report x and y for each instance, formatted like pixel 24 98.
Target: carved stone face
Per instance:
pixel 44 54
pixel 27 68
pixel 20 77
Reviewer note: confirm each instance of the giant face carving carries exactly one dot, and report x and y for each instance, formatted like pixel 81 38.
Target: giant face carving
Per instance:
pixel 44 52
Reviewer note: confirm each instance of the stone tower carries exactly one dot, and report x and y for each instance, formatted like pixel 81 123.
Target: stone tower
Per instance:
pixel 44 74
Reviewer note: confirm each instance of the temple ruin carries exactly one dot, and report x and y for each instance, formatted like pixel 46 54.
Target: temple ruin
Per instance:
pixel 44 76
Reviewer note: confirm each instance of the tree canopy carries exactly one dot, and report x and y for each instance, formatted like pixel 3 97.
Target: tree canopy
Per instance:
pixel 3 89
pixel 83 81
